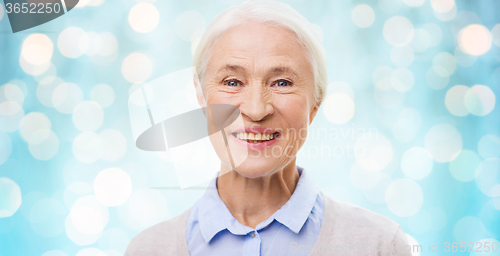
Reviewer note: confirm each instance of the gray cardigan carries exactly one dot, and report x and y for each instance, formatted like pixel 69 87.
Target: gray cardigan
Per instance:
pixel 346 230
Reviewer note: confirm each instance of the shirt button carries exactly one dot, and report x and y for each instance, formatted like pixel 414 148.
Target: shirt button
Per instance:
pixel 252 235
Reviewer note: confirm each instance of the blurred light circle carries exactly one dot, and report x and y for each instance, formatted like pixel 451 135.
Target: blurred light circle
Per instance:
pixel 436 81
pixel 388 98
pixel 489 146
pixel 11 197
pixel 421 222
pixel 114 144
pixel 46 88
pixel 413 245
pixel 469 228
pixel 402 79
pixel 189 24
pixel 414 3
pixel 137 68
pixel 381 77
pixel 421 40
pixel 66 97
pixel 444 64
pixel 362 178
pixel 37 49
pixel 398 31
pixel 35 127
pixel 50 72
pixel 113 238
pixel 339 108
pixel 333 87
pixel 46 149
pixel 82 3
pixel 94 43
pixel 475 39
pixel 495 33
pixel 112 187
pixel 435 32
pixel 11 92
pixel 455 100
pixel 480 100
pixel 402 56
pixel 147 207
pixel 91 252
pixel 407 125
pixel 76 236
pixel 47 217
pixel 88 116
pixel 376 194
pixel 55 253
pixel 73 42
pixel 88 147
pixel 444 142
pixel 75 191
pixel 488 176
pixel 492 243
pixel 463 168
pixel 376 151
pixel 11 114
pixel 5 147
pixel 442 5
pixel 463 59
pixel 416 163
pixel 404 197
pixel 363 15
pixel 446 16
pixel 34 70
pixel 95 2
pixel 143 17
pixel 462 19
pixel 109 44
pixel 89 216
pixel 103 94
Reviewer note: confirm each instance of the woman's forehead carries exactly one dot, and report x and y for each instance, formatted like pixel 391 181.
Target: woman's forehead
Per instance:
pixel 248 46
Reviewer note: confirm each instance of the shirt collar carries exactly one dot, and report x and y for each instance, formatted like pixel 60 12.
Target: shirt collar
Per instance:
pixel 214 216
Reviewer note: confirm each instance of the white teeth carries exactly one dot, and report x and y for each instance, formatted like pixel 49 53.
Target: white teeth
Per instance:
pixel 255 136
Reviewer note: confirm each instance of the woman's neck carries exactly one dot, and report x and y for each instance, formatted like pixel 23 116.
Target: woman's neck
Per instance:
pixel 253 200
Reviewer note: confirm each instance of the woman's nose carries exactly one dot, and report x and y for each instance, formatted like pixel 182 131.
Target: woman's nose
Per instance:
pixel 255 103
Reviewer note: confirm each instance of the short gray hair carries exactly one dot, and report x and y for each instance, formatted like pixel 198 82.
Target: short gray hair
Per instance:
pixel 269 12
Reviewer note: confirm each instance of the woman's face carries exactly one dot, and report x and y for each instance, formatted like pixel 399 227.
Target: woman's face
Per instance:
pixel 265 72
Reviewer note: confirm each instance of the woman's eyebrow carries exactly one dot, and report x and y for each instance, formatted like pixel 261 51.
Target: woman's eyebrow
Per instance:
pixel 230 67
pixel 278 70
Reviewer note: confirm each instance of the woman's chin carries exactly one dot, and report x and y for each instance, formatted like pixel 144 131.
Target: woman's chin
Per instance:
pixel 254 168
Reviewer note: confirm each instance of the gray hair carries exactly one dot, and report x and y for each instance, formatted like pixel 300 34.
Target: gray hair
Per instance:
pixel 269 12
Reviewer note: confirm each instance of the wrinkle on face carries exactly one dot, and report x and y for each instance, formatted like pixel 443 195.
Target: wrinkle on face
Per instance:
pixel 256 56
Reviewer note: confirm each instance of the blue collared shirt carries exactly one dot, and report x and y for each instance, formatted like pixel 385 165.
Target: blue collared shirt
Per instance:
pixel 291 230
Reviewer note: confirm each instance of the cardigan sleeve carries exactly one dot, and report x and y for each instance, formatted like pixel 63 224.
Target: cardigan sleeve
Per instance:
pixel 400 246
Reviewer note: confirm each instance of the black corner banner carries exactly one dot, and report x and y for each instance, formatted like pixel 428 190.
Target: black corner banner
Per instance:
pixel 25 14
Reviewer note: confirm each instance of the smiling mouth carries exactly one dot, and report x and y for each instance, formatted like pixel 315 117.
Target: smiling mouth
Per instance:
pixel 255 137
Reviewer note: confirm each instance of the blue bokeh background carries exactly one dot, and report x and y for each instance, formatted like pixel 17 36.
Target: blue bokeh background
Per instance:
pixel 423 74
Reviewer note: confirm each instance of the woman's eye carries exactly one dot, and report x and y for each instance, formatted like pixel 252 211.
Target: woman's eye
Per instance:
pixel 283 83
pixel 232 83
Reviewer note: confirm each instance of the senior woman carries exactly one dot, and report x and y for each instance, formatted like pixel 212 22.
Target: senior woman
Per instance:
pixel 264 58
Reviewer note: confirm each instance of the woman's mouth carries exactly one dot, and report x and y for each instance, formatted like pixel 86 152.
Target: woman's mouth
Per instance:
pixel 255 137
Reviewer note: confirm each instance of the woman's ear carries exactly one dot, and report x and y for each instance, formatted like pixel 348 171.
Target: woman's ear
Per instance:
pixel 314 111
